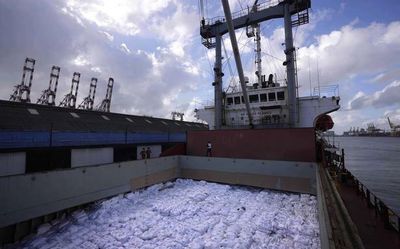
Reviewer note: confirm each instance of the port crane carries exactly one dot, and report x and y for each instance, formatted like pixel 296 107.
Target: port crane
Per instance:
pixel 104 106
pixel 395 129
pixel 70 99
pixel 48 96
pixel 88 101
pixel 23 90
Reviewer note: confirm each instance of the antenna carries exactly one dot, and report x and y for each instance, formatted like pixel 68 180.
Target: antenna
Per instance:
pixel 106 103
pixel 88 101
pixel 48 96
pixel 70 99
pixel 22 91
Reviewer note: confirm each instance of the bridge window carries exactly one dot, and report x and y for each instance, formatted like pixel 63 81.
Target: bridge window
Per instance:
pixel 129 120
pixel 148 121
pixel 263 97
pixel 105 117
pixel 237 100
pixel 281 95
pixel 229 101
pixel 253 98
pixel 164 122
pixel 271 96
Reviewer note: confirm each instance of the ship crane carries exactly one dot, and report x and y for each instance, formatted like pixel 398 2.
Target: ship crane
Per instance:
pixel 22 91
pixel 212 31
pixel 395 129
pixel 70 99
pixel 392 126
pixel 48 96
pixel 88 101
pixel 105 105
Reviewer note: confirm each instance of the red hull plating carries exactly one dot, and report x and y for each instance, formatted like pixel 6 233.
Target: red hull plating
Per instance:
pixel 264 144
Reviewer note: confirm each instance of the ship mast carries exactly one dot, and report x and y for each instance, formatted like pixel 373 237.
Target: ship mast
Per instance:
pixel 256 33
pixel 290 68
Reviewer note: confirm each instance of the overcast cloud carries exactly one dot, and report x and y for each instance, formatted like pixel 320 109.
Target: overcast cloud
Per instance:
pixel 153 51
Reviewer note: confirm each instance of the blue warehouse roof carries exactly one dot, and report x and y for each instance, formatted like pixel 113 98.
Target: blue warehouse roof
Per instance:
pixel 25 125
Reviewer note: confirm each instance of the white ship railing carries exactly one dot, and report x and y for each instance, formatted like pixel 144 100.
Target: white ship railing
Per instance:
pixel 326 91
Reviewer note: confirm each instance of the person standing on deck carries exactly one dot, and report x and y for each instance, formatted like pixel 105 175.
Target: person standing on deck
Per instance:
pixel 209 147
pixel 143 153
pixel 148 153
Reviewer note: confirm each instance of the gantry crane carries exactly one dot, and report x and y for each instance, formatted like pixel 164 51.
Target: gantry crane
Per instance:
pixel 48 96
pixel 22 91
pixel 70 99
pixel 395 129
pixel 105 105
pixel 88 101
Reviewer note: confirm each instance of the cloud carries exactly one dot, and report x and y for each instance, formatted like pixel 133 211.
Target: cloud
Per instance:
pixel 124 48
pixel 108 35
pixel 352 50
pixel 123 16
pixel 148 81
pixel 388 96
pixel 387 76
pixel 178 29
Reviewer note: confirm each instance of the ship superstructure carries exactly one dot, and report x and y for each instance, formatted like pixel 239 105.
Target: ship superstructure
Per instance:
pixel 265 103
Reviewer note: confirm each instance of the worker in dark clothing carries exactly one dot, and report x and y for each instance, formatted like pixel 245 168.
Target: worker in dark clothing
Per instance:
pixel 148 152
pixel 209 147
pixel 143 153
pixel 271 80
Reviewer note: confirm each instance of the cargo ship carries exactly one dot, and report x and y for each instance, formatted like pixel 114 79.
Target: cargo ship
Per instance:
pixel 56 160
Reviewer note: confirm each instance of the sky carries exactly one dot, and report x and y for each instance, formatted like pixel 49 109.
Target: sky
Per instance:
pixel 153 51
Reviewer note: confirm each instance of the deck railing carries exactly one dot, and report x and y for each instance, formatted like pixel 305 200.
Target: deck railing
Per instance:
pixel 326 91
pixel 389 217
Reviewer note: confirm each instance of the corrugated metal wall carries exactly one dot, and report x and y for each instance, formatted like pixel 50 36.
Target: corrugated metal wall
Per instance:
pixel 12 163
pixel 93 156
pixel 265 144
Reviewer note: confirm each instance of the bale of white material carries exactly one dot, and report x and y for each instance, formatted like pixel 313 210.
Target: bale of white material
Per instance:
pixel 190 214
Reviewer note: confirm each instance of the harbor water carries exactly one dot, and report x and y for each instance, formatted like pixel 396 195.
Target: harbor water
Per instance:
pixel 375 161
